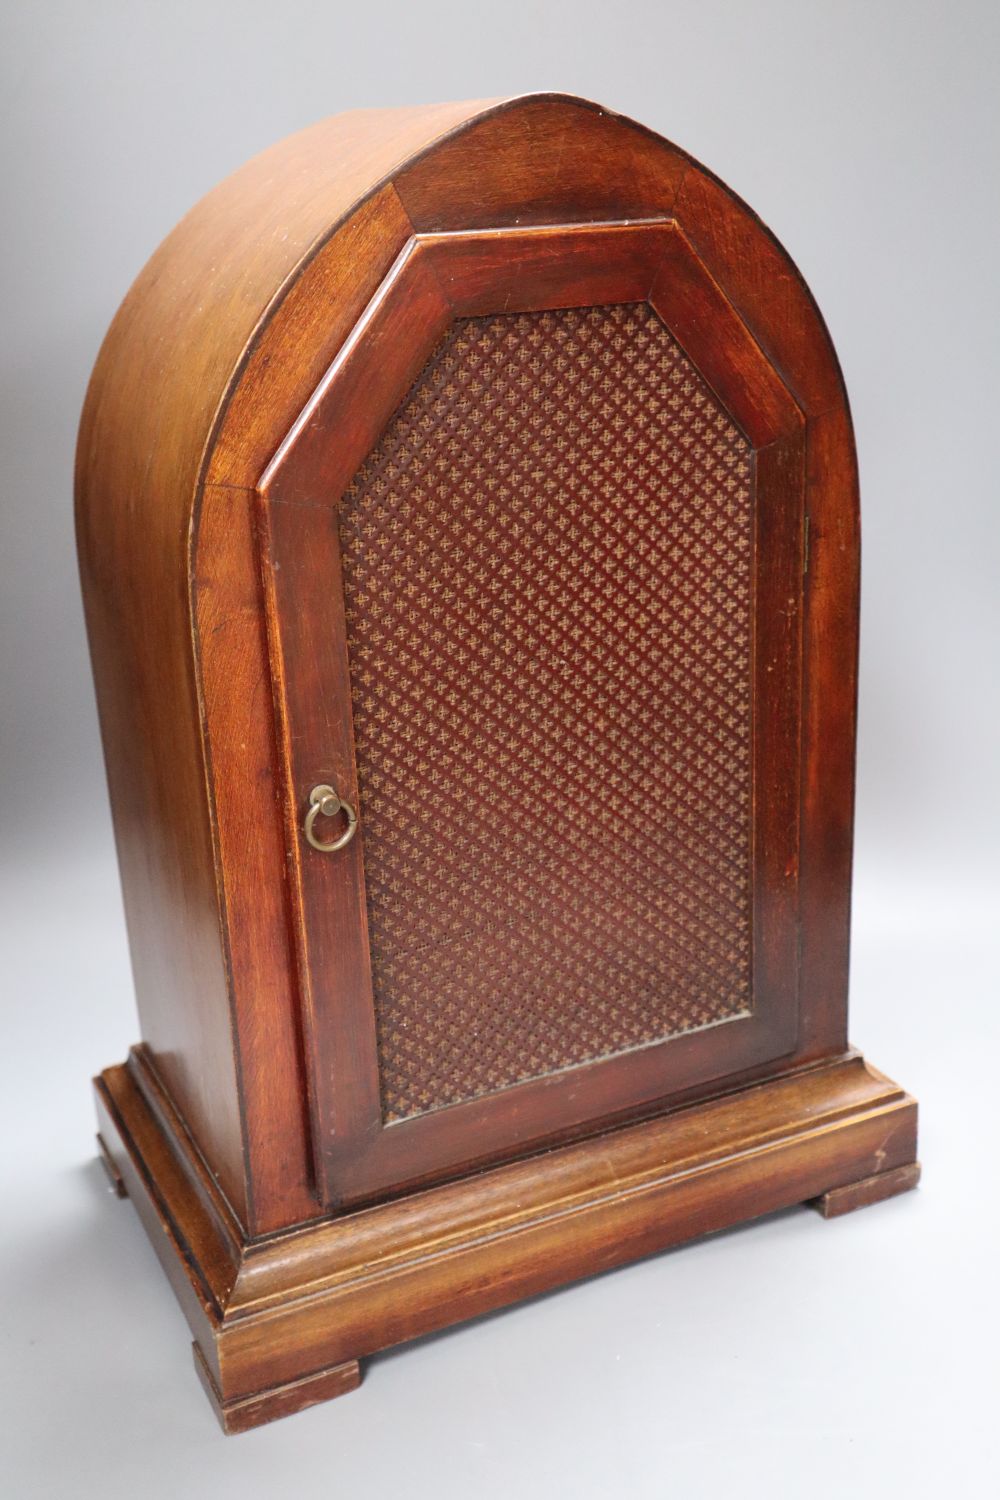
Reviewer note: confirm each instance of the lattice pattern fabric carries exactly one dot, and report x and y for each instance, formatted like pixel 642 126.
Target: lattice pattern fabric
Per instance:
pixel 547 569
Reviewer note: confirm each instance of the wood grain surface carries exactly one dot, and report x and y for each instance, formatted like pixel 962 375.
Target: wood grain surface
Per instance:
pixel 207 429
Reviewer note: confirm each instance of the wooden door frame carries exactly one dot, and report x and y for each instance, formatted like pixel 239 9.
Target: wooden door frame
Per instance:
pixel 435 279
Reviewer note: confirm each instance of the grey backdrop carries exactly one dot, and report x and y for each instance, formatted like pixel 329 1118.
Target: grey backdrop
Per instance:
pixel 793 1356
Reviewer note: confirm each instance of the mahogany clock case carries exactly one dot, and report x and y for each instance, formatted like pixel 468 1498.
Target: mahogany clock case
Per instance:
pixel 468 523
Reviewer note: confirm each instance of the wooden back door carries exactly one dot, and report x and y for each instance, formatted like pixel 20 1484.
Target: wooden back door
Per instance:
pixel 533 557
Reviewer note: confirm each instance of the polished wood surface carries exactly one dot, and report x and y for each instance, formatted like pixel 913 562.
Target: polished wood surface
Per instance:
pixel 216 350
pixel 436 279
pixel 297 1308
pixel 242 322
pixel 167 557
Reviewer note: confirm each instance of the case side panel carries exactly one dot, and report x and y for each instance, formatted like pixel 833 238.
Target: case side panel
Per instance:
pixel 170 357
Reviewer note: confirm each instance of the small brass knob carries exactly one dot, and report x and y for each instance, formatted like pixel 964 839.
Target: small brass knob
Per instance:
pixel 324 802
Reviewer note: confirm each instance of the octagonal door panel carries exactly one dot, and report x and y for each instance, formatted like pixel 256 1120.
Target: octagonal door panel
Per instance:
pixel 533 557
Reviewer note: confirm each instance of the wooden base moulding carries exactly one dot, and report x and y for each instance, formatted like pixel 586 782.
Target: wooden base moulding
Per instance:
pixel 280 1323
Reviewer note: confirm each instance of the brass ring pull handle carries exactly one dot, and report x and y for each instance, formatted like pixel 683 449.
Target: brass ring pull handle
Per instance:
pixel 323 800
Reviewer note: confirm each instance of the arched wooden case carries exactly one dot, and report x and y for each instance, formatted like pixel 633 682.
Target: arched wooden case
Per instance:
pixel 467 510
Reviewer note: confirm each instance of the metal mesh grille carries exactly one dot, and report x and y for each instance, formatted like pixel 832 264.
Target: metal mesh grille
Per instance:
pixel 547 569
